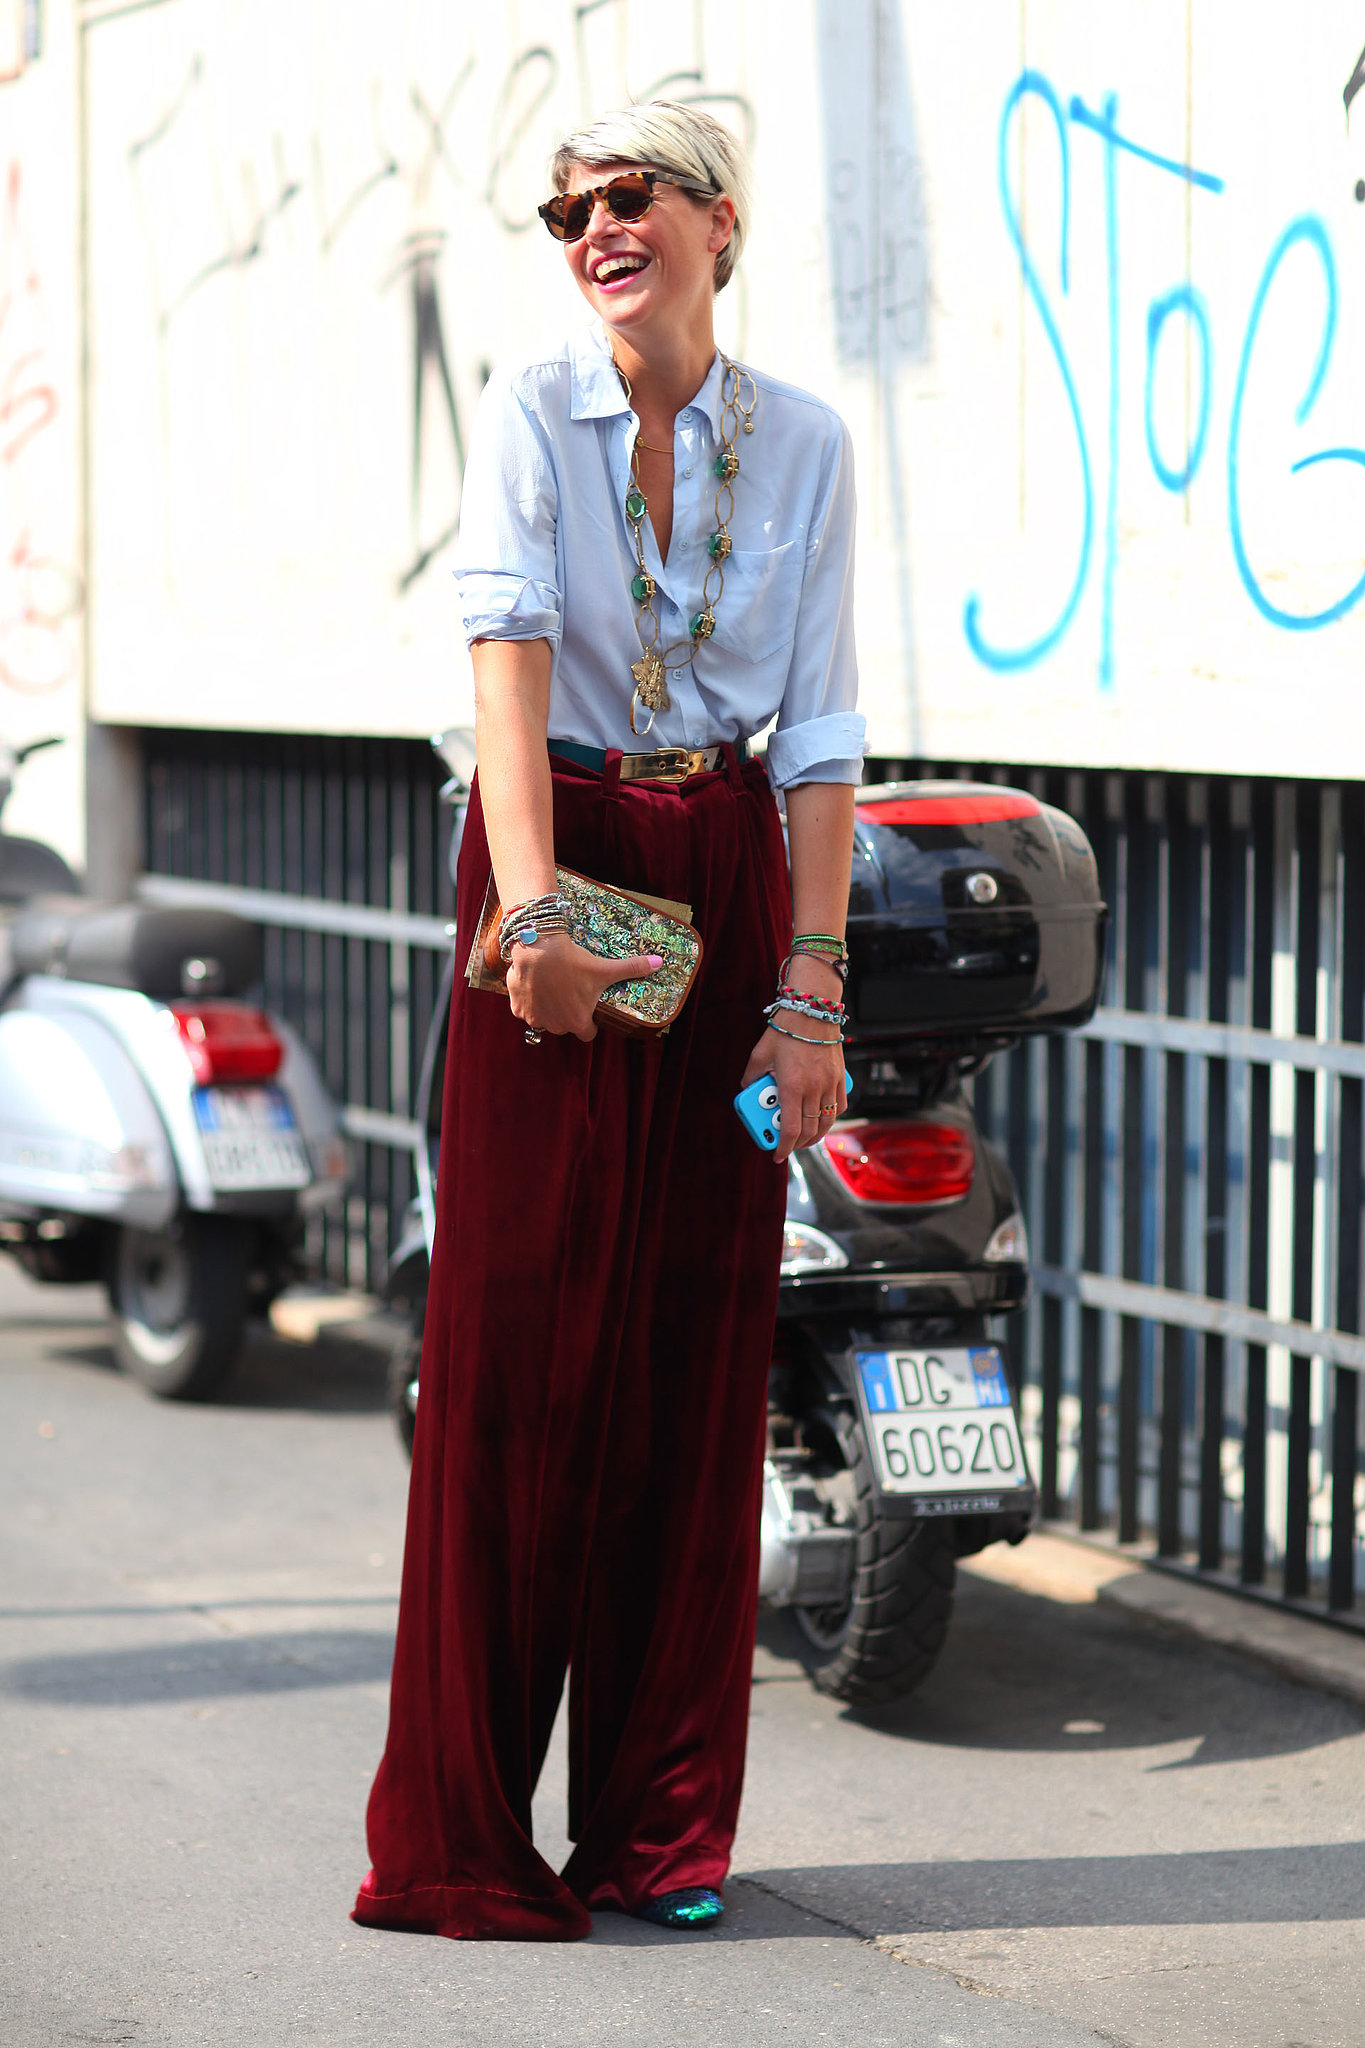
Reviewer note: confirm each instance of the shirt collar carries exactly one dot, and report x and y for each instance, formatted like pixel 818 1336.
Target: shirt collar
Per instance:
pixel 598 393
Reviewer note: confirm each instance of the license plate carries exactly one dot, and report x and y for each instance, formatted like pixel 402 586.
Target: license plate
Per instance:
pixel 250 1139
pixel 941 1424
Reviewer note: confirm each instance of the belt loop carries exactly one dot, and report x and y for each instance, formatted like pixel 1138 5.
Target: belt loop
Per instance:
pixel 732 765
pixel 611 776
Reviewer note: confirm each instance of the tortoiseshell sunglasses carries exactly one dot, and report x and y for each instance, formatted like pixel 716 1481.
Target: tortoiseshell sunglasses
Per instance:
pixel 627 197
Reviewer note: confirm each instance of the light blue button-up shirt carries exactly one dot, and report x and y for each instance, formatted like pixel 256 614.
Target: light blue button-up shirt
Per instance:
pixel 545 552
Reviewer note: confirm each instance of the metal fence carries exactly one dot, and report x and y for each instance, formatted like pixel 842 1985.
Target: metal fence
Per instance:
pixel 1191 1165
pixel 341 844
pixel 1191 1168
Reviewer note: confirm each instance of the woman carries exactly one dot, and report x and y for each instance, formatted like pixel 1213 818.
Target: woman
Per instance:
pixel 591 1430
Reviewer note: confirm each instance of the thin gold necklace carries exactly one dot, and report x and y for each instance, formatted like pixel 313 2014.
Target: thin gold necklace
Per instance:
pixel 652 670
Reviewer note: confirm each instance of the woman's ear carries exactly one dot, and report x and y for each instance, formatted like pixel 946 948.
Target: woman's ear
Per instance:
pixel 722 223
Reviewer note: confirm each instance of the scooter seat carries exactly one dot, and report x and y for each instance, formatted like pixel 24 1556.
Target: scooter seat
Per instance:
pixel 158 949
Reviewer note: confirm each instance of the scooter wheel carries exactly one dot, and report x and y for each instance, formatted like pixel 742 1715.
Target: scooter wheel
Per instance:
pixel 404 1360
pixel 887 1639
pixel 177 1302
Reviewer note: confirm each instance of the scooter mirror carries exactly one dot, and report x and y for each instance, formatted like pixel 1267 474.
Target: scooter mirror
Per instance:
pixel 456 748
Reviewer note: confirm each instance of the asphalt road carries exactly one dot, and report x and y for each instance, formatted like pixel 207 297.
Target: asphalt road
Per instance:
pixel 1079 1831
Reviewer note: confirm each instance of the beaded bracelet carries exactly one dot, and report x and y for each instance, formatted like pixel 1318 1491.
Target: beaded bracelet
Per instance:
pixel 804 1009
pixel 800 1036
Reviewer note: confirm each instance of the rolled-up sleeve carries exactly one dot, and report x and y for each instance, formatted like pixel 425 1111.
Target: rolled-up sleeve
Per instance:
pixel 506 564
pixel 819 735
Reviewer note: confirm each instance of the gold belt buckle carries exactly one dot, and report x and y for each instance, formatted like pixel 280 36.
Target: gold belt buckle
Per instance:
pixel 665 764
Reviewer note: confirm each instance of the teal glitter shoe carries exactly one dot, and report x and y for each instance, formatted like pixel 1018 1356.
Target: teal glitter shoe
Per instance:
pixel 696 1906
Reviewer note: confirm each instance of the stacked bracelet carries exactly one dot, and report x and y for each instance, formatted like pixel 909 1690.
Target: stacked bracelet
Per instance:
pixel 826 946
pixel 809 1002
pixel 802 1037
pixel 527 923
pixel 819 1013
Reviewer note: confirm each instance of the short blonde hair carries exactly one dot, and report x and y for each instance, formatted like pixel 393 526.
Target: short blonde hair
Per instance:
pixel 682 143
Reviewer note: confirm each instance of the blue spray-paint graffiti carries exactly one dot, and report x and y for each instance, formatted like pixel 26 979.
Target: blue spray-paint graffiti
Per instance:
pixel 1025 657
pixel 1184 299
pixel 1188 302
pixel 1310 230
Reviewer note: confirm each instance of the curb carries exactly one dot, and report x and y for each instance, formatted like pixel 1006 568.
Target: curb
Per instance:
pixel 1062 1566
pixel 1311 1652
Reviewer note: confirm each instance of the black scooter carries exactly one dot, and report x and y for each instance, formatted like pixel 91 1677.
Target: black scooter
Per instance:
pixel 894 1446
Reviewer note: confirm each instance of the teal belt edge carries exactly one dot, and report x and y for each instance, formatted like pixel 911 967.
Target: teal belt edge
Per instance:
pixel 596 757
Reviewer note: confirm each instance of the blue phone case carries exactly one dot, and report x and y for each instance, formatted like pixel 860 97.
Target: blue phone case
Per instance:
pixel 759 1111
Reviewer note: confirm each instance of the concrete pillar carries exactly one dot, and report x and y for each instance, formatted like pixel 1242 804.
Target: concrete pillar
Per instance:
pixel 114 851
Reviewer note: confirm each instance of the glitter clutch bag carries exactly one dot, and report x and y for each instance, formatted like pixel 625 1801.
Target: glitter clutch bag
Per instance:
pixel 612 923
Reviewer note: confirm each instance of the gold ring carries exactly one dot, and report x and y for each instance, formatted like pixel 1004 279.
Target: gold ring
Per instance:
pixel 532 1037
pixel 829 1108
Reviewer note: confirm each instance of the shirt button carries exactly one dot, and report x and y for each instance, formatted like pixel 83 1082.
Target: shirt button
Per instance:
pixel 688 470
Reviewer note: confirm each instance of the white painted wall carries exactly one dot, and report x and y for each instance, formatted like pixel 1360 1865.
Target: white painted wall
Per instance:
pixel 41 590
pixel 285 193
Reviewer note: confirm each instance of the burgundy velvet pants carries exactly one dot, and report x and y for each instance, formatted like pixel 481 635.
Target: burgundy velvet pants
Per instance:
pixel 590 1429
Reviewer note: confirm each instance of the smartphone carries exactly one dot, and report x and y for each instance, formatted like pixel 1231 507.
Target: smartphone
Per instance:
pixel 759 1110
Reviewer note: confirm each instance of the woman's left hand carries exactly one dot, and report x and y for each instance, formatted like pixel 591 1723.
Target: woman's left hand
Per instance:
pixel 810 1082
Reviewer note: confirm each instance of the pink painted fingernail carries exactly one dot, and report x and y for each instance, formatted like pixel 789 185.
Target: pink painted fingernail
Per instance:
pixel 656 959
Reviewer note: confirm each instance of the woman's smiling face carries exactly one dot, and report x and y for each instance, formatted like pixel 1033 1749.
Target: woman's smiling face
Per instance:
pixel 664 264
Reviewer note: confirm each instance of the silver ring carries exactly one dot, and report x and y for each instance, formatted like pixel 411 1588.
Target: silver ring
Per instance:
pixel 532 1037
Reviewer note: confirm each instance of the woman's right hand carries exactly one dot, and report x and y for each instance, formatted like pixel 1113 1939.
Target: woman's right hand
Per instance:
pixel 555 985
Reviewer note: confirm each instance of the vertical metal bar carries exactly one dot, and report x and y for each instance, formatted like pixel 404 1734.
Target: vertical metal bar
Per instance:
pixel 1307 840
pixel 1089 1507
pixel 1050 1069
pixel 1262 926
pixel 1081 1221
pixel 1341 1571
pixel 1114 872
pixel 1341 1591
pixel 1219 924
pixel 1172 1157
pixel 1134 1166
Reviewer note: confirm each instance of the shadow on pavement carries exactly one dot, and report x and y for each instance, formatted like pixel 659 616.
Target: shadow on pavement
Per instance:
pixel 1021 1672
pixel 1323 1881
pixel 340 1374
pixel 166 1673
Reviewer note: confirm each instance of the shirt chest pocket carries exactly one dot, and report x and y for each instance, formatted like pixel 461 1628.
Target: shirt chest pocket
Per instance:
pixel 756 616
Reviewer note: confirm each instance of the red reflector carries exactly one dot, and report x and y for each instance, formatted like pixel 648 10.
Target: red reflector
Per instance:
pixel 949 810
pixel 909 1162
pixel 227 1041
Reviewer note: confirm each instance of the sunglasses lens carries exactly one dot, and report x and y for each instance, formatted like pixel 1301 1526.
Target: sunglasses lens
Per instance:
pixel 575 214
pixel 566 216
pixel 629 198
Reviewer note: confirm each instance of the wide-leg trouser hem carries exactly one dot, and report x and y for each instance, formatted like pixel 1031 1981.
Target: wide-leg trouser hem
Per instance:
pixel 472 1913
pixel 610 1897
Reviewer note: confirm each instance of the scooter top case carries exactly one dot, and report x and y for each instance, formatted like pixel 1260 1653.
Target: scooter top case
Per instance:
pixel 975 917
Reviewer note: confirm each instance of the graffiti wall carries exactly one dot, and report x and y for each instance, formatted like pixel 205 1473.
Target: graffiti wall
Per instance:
pixel 1088 283
pixel 41 589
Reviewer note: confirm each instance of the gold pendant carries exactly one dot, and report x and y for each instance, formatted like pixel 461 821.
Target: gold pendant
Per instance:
pixel 651 681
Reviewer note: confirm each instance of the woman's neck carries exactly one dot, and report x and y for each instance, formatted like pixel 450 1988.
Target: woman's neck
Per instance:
pixel 665 372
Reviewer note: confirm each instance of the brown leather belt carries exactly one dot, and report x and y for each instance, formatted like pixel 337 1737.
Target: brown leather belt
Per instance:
pixel 665 764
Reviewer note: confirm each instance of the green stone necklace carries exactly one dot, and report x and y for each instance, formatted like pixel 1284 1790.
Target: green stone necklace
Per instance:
pixel 656 664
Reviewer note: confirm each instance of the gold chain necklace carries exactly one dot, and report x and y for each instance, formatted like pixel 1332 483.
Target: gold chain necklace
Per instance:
pixel 652 670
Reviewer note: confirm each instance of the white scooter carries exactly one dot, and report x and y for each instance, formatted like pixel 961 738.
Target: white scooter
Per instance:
pixel 157 1133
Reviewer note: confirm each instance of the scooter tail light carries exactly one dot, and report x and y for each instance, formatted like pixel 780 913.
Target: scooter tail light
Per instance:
pixel 914 1161
pixel 227 1041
